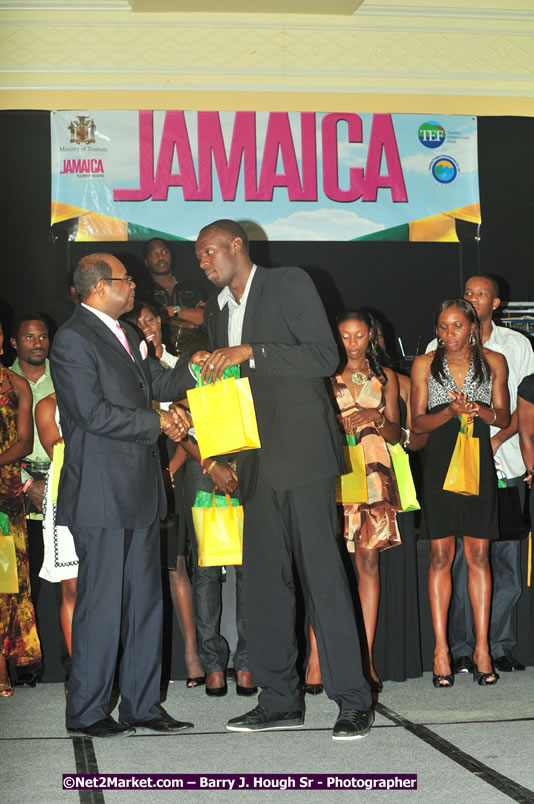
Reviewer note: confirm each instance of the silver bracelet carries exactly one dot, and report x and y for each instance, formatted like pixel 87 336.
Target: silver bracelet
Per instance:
pixel 494 416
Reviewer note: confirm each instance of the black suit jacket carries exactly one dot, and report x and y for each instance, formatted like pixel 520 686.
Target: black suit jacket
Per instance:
pixel 294 351
pixel 111 476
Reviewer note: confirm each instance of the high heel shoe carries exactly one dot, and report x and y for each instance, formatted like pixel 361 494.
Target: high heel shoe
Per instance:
pixel 482 678
pixel 6 687
pixel 376 685
pixel 312 689
pixel 195 681
pixel 438 679
pixel 216 692
pixel 246 689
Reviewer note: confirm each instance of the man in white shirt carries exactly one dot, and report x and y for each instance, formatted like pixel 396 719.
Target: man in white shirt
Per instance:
pixel 272 324
pixel 483 293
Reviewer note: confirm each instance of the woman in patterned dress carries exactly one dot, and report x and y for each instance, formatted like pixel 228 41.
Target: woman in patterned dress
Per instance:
pixel 367 396
pixel 19 642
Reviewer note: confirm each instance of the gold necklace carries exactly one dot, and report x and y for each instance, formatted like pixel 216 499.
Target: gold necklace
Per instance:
pixel 361 377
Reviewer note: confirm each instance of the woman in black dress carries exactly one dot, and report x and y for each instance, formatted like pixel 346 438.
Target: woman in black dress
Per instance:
pixel 460 377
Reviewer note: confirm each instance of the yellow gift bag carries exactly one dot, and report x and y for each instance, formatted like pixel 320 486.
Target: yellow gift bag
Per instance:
pixel 219 530
pixel 9 579
pixel 58 457
pixel 352 487
pixel 224 417
pixel 403 474
pixel 463 474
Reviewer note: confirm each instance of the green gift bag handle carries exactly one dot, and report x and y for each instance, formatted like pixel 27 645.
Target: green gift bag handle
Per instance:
pixel 465 428
pixel 228 502
pixel 230 371
pixel 207 499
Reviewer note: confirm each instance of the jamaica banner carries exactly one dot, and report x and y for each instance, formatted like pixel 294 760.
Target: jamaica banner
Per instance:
pixel 285 175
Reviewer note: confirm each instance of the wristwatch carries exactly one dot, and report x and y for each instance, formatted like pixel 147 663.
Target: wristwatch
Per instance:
pixel 176 311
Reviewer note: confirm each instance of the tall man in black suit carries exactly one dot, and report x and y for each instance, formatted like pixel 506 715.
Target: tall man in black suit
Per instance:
pixel 272 323
pixel 111 497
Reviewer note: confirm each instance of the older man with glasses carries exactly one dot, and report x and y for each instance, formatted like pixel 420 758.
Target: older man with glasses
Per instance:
pixel 111 497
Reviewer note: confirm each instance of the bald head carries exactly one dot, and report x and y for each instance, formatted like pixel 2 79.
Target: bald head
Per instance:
pixel 89 270
pixel 101 282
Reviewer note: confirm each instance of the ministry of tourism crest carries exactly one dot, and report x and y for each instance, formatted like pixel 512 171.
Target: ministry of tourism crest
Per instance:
pixel 82 130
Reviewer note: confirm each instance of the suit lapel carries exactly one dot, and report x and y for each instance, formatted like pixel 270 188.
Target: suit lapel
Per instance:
pixel 104 332
pixel 135 346
pixel 252 304
pixel 219 325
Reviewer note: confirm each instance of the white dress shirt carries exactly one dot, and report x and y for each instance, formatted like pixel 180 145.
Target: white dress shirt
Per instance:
pixel 236 312
pixel 111 323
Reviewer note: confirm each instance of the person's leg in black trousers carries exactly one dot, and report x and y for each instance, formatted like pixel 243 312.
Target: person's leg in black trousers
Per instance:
pixel 300 524
pixel 506 591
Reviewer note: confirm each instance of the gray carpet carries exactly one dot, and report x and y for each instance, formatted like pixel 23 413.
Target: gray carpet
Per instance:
pixel 470 743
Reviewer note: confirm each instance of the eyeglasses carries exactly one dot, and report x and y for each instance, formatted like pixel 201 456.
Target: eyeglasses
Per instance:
pixel 126 278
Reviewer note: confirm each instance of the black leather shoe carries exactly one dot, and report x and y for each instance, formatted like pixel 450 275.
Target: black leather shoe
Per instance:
pixel 352 724
pixel 260 719
pixel 164 724
pixel 463 664
pixel 507 664
pixel 107 727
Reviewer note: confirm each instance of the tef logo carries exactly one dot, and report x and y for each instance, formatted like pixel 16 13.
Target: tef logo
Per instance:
pixel 431 134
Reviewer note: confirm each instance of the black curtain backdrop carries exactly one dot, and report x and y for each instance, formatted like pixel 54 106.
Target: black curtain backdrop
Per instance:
pixel 401 282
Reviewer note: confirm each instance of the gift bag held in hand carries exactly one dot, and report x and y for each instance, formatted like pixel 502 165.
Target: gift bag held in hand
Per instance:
pixel 351 487
pixel 463 474
pixel 223 414
pixel 9 579
pixel 218 525
pixel 403 474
